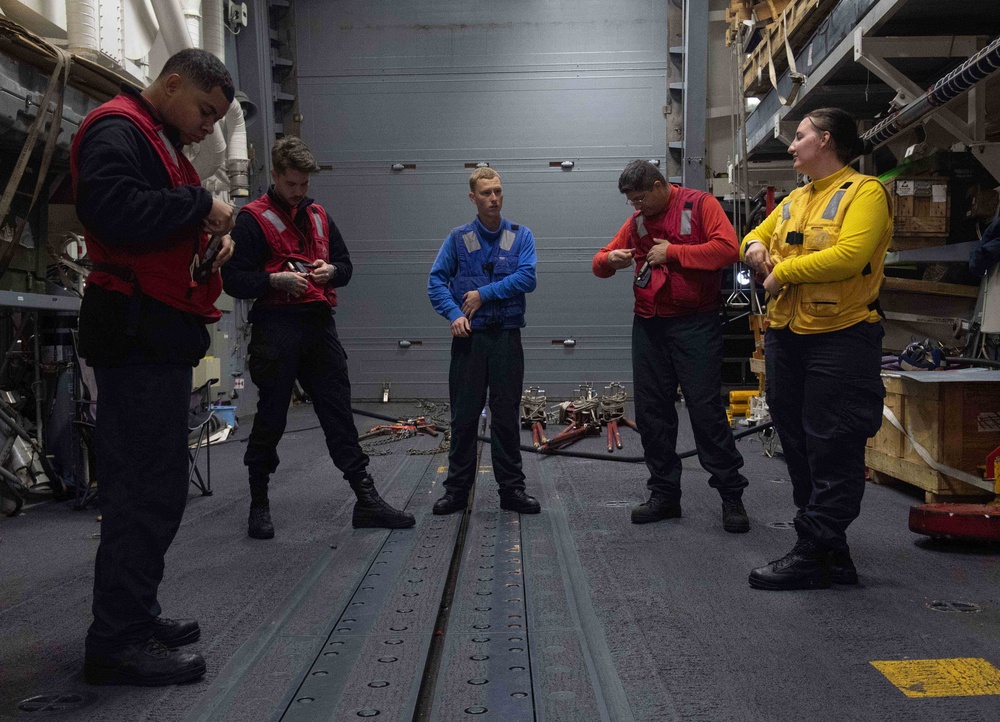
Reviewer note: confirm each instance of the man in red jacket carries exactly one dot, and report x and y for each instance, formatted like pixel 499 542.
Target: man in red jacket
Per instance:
pixel 679 240
pixel 142 327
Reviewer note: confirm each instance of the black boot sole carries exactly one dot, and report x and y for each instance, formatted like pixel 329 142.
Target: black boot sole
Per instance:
pixel 522 510
pixel 444 509
pixel 189 638
pixel 653 518
pixel 848 576
pixel 363 521
pixel 741 528
pixel 790 586
pixel 260 534
pixel 112 675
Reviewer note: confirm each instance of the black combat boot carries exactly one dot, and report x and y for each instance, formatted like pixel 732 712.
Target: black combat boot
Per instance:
pixel 806 566
pixel 451 502
pixel 174 633
pixel 655 508
pixel 519 501
pixel 259 524
pixel 372 511
pixel 842 569
pixel 148 664
pixel 734 516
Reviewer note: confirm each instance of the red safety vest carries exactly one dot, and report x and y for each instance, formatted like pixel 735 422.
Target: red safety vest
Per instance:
pixel 673 290
pixel 289 244
pixel 163 272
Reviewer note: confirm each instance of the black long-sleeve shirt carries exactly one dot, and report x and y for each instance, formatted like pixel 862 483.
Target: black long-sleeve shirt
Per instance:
pixel 124 197
pixel 244 276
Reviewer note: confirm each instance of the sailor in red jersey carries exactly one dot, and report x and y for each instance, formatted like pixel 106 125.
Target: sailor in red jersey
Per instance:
pixel 290 258
pixel 679 240
pixel 148 223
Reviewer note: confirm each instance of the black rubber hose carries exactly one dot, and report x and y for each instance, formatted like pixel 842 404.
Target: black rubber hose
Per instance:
pixel 586 454
pixel 986 363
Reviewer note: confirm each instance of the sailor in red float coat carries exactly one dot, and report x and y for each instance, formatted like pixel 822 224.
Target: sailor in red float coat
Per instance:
pixel 678 240
pixel 289 258
pixel 142 328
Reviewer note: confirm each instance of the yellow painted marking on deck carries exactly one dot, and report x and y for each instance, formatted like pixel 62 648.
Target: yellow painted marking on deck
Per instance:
pixel 442 469
pixel 485 469
pixel 961 677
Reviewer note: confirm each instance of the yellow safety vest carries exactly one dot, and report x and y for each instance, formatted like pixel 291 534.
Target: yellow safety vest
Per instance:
pixel 811 221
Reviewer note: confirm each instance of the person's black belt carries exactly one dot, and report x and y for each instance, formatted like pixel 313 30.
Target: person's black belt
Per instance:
pixel 135 300
pixel 877 307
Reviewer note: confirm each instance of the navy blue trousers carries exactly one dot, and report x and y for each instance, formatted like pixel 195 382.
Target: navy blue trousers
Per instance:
pixel 488 360
pixel 825 395
pixel 685 350
pixel 141 439
pixel 300 346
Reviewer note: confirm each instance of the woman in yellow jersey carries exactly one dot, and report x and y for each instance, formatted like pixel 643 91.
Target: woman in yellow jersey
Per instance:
pixel 820 255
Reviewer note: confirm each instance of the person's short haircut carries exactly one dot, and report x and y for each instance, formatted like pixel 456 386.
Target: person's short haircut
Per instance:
pixel 202 68
pixel 639 175
pixel 484 173
pixel 291 152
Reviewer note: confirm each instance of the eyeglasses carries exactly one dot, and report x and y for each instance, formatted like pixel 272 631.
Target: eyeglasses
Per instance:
pixel 636 202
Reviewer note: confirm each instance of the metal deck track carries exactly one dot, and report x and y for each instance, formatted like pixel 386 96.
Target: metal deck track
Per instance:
pixel 367 577
pixel 477 616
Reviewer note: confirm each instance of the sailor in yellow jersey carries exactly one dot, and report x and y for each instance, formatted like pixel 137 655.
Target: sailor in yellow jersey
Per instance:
pixel 820 255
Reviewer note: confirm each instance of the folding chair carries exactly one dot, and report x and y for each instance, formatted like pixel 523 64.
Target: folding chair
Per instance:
pixel 200 421
pixel 86 418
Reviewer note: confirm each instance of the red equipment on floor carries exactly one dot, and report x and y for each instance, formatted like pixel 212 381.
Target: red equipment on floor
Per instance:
pixel 967 522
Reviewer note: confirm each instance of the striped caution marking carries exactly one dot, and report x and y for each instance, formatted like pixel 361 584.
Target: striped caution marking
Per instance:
pixel 960 677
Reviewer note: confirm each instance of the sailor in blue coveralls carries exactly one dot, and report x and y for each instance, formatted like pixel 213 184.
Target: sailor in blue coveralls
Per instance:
pixel 478 282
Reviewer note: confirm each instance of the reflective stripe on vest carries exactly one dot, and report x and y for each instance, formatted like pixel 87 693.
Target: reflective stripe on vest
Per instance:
pixel 272 217
pixel 686 219
pixel 318 224
pixel 786 211
pixel 169 146
pixel 833 206
pixel 471 242
pixel 640 226
pixel 507 240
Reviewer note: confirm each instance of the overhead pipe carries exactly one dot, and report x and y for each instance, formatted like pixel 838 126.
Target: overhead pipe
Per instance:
pixel 237 154
pixel 192 18
pixel 82 27
pixel 211 152
pixel 972 71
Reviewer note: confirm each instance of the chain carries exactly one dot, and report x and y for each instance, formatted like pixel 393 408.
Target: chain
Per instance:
pixel 371 447
pixel 430 410
pixel 441 448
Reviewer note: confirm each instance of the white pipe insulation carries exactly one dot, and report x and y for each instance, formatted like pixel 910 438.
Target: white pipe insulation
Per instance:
pixel 237 155
pixel 192 18
pixel 82 26
pixel 211 152
pixel 213 30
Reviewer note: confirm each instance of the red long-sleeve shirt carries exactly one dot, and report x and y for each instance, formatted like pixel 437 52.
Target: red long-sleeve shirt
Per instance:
pixel 720 249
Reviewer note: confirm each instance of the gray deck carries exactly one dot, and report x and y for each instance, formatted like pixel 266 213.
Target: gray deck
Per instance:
pixel 573 614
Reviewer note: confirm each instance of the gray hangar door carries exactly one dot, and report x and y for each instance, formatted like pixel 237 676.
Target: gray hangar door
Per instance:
pixel 438 86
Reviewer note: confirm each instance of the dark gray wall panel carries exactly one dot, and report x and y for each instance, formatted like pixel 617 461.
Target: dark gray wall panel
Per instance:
pixel 442 84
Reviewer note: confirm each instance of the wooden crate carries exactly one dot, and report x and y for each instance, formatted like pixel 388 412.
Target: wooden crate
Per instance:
pixel 903 242
pixel 957 422
pixel 920 207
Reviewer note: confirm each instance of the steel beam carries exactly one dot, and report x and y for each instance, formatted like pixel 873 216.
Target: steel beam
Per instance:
pixel 695 93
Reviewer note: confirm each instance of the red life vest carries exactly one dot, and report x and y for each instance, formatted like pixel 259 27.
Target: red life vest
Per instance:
pixel 163 272
pixel 289 244
pixel 673 290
